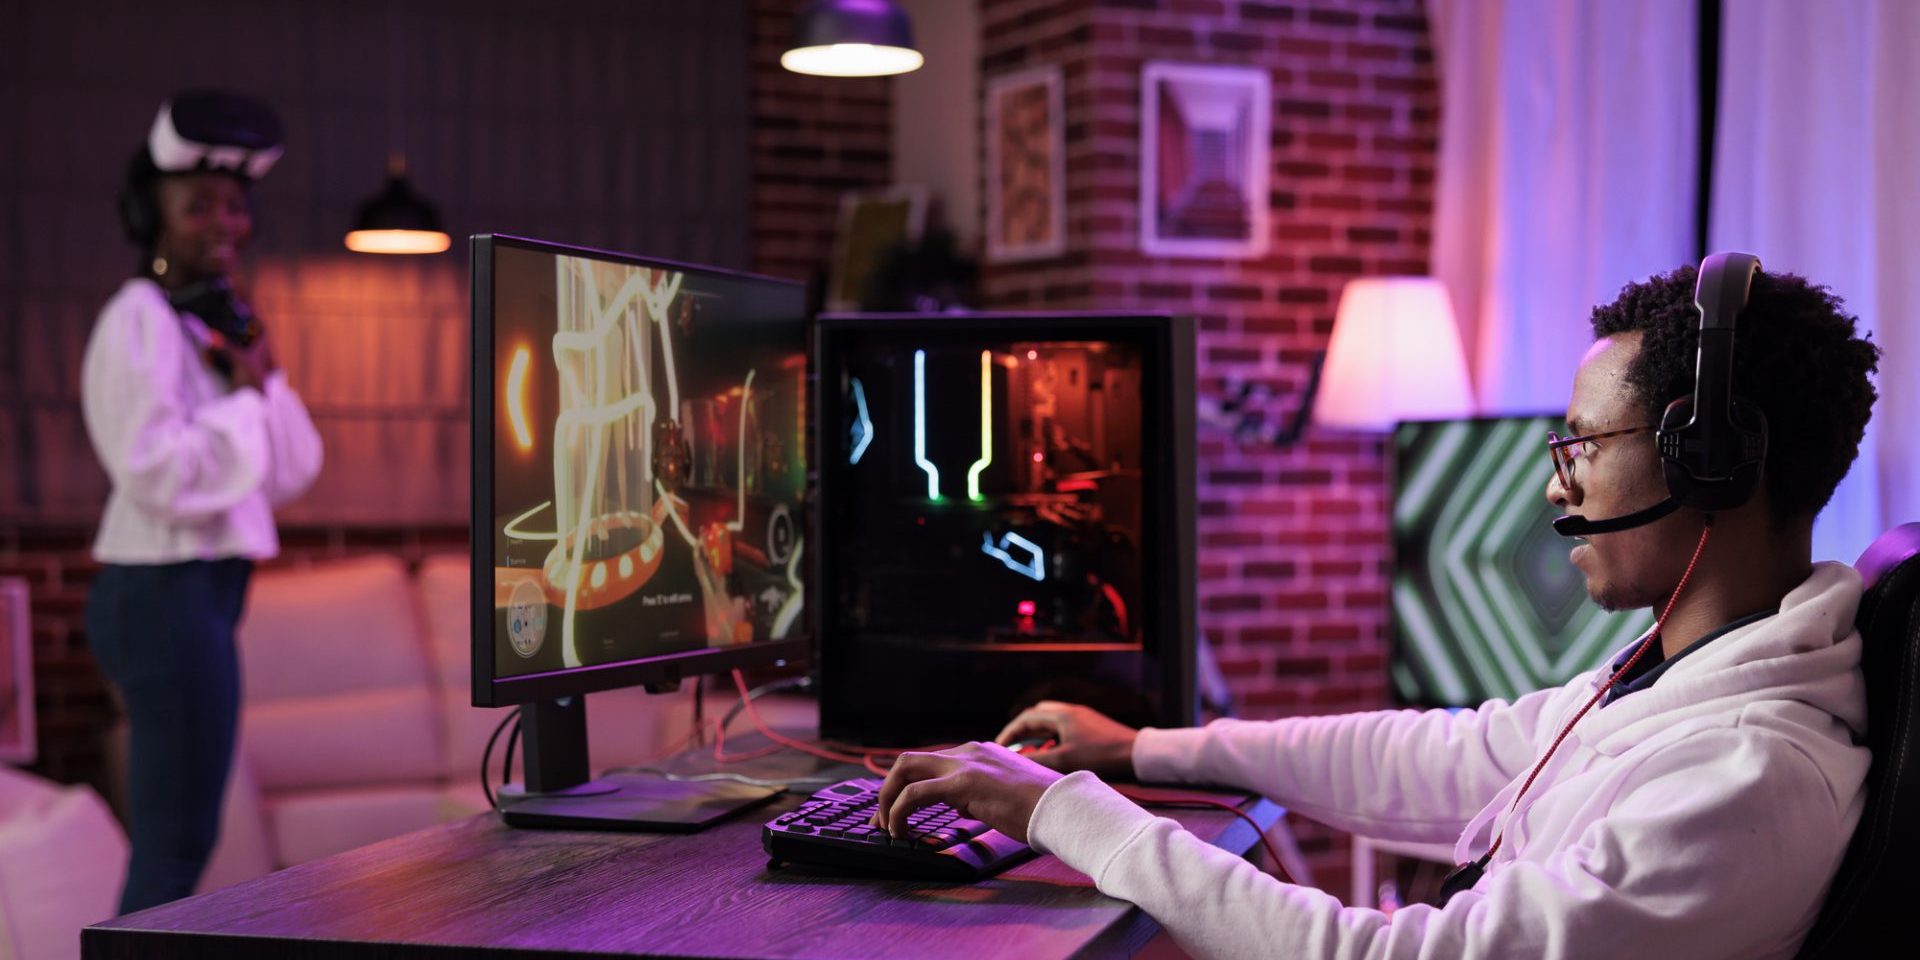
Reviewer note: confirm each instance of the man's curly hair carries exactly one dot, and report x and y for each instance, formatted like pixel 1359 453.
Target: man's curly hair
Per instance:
pixel 1796 356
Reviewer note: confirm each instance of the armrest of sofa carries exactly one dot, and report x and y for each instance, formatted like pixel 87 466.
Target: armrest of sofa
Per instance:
pixel 63 858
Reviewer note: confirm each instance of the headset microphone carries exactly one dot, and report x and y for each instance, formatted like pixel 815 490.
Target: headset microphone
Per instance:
pixel 1582 527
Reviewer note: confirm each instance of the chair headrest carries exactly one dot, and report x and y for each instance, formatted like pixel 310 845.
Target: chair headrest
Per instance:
pixel 1889 551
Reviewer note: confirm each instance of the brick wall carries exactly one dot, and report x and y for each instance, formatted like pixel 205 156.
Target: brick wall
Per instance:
pixel 814 138
pixel 601 123
pixel 1293 543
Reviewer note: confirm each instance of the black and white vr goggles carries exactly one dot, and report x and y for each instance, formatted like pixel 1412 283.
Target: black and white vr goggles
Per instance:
pixel 209 130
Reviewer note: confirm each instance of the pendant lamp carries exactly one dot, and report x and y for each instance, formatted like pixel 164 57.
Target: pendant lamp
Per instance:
pixel 397 219
pixel 852 38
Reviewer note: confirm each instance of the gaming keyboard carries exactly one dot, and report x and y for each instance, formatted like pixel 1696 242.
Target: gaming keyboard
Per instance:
pixel 834 828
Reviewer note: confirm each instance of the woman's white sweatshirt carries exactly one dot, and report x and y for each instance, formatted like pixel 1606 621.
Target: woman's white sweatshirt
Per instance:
pixel 197 466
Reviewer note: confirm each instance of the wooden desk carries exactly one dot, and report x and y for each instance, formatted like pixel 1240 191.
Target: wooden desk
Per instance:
pixel 477 888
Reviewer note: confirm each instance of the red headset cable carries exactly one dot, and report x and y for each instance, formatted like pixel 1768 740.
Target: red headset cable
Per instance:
pixel 1465 875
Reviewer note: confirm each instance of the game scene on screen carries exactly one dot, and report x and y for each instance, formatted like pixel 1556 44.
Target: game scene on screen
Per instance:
pixel 649 462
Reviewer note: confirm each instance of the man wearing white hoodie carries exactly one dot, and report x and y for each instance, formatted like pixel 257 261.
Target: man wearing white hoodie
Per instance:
pixel 1698 807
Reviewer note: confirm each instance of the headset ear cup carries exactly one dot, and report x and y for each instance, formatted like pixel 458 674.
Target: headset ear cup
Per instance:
pixel 1673 464
pixel 1750 425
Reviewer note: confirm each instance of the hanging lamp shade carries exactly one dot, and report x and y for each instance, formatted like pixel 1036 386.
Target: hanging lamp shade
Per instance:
pixel 852 38
pixel 397 219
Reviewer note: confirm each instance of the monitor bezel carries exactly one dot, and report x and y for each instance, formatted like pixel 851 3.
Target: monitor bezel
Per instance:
pixel 662 671
pixel 1170 361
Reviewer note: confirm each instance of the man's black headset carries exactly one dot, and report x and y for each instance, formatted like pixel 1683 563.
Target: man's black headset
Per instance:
pixel 1713 444
pixel 1712 448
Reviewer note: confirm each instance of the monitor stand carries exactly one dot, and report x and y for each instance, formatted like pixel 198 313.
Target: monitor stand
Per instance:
pixel 560 795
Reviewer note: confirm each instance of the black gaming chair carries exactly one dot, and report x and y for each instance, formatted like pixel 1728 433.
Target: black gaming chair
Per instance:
pixel 1870 908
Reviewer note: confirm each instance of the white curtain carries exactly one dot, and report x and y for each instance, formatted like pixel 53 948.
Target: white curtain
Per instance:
pixel 1567 169
pixel 1817 170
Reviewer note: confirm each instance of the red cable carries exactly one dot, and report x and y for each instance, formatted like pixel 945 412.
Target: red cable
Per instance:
pixel 720 754
pixel 1602 692
pixel 1119 607
pixel 1149 797
pixel 864 756
pixel 740 681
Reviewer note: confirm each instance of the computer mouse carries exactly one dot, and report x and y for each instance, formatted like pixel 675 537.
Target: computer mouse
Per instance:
pixel 1032 745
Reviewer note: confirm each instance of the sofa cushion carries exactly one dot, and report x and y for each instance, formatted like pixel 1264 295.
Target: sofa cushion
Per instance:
pixel 364 737
pixel 446 609
pixel 340 627
pixel 444 605
pixel 337 684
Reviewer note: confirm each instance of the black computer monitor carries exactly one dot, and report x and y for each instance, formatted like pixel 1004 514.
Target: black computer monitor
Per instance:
pixel 639 514
pixel 1009 503
pixel 1485 602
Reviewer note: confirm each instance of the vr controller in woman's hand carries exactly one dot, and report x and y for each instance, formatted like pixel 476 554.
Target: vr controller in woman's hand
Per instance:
pixel 239 350
pixel 217 306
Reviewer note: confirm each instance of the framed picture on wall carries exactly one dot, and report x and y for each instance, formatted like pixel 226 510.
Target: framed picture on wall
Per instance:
pixel 872 224
pixel 1026 165
pixel 16 674
pixel 1204 159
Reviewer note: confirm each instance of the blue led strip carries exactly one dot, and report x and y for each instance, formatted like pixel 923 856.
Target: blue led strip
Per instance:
pixel 863 428
pixel 1034 567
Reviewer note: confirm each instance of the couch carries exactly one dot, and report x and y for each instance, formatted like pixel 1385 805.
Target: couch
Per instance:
pixel 63 858
pixel 356 718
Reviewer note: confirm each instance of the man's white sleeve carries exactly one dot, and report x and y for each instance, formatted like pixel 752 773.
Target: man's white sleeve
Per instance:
pixel 1405 775
pixel 1718 846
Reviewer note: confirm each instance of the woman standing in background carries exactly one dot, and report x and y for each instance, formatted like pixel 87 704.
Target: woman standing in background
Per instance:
pixel 201 437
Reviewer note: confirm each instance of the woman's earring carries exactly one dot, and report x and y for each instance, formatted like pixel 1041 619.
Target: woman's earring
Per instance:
pixel 159 266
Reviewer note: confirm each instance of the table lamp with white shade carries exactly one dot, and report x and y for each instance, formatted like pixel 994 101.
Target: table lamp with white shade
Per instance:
pixel 1394 355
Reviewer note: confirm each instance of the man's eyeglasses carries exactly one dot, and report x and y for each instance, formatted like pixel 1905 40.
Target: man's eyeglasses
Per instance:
pixel 1568 451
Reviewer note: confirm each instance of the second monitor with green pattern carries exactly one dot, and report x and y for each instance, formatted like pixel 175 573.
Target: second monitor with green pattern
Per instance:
pixel 1485 603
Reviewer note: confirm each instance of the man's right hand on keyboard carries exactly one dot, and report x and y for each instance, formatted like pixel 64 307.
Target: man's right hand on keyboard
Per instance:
pixel 983 781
